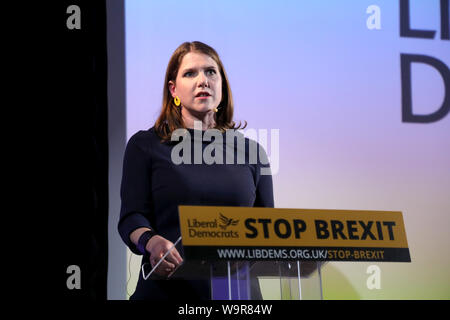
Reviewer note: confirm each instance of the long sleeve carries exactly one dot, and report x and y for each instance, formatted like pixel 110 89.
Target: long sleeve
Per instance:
pixel 135 189
pixel 264 184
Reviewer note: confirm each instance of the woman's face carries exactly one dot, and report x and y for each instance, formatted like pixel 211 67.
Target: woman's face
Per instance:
pixel 198 83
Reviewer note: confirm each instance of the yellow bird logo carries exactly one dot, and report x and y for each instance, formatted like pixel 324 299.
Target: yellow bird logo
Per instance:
pixel 227 221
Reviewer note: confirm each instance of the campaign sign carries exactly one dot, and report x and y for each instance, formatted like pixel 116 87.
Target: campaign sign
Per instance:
pixel 243 233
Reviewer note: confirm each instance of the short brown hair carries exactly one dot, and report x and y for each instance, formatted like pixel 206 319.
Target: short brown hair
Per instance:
pixel 170 117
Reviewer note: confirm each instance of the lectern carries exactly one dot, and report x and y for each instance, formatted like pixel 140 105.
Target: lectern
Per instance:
pixel 277 254
pixel 269 280
pixel 255 280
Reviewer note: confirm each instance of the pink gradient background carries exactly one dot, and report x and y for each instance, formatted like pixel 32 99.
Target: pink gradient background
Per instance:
pixel 332 87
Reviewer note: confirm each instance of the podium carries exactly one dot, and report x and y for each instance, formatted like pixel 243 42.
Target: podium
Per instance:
pixel 256 280
pixel 278 254
pixel 268 280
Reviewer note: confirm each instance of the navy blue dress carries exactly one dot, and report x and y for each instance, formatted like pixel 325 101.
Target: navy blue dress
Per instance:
pixel 153 187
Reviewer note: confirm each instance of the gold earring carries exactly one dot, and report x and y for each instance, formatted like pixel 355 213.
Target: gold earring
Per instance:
pixel 177 101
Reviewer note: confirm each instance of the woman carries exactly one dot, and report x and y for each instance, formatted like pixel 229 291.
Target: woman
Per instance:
pixel 196 91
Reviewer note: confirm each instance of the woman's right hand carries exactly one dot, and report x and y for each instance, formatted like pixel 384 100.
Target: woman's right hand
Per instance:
pixel 157 246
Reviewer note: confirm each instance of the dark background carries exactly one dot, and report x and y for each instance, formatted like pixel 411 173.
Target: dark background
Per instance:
pixel 68 150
